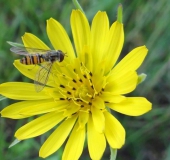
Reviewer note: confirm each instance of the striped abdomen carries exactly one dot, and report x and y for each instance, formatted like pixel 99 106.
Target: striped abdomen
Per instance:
pixel 32 59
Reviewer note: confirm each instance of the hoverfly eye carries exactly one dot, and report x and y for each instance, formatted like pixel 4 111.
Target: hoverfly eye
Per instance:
pixel 61 57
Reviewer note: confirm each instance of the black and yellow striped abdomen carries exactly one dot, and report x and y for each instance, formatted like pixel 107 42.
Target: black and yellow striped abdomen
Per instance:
pixel 32 59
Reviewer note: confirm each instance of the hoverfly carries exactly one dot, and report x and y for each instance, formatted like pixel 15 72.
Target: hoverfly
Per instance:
pixel 44 58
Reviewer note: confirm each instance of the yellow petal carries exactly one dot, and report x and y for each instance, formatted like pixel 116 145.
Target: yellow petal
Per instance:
pixel 83 118
pixel 98 78
pixel 115 40
pixel 131 61
pixel 81 32
pixel 59 38
pixel 122 83
pixel 27 70
pixel 96 141
pixel 32 41
pixel 22 91
pixel 44 106
pixel 88 60
pixel 98 103
pixel 71 109
pixel 98 119
pixel 39 125
pixel 74 146
pixel 109 97
pixel 114 131
pixel 57 138
pixel 68 70
pixel 31 72
pixel 16 110
pixel 99 31
pixel 132 106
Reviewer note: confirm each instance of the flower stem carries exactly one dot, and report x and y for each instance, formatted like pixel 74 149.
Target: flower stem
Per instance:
pixel 120 13
pixel 77 5
pixel 113 154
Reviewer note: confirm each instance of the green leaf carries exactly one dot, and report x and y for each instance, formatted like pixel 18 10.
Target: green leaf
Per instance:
pixel 2 98
pixel 15 44
pixel 113 154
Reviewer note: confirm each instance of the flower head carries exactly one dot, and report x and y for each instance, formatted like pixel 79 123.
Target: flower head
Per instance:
pixel 80 90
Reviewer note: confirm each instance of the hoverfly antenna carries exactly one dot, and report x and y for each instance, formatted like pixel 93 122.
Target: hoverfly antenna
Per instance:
pixel 65 54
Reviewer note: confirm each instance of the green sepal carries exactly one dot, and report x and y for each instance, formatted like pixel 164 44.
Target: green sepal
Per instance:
pixel 2 97
pixel 16 141
pixel 77 5
pixel 113 153
pixel 15 44
pixel 141 78
pixel 120 13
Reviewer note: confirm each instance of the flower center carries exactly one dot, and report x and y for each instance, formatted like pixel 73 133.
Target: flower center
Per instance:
pixel 81 92
pixel 77 85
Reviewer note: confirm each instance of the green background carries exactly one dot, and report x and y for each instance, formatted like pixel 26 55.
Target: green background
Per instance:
pixel 146 22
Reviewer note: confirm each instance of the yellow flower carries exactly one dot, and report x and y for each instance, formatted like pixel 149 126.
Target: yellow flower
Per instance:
pixel 80 90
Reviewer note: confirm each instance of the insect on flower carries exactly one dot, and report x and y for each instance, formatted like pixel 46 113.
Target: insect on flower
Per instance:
pixel 44 58
pixel 92 83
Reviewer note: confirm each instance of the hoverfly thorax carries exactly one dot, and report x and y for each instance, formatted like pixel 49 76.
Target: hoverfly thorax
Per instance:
pixel 54 55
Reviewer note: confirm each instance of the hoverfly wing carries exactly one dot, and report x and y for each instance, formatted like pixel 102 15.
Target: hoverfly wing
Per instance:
pixel 19 50
pixel 42 76
pixel 27 50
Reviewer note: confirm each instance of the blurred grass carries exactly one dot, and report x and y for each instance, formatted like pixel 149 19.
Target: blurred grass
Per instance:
pixel 145 23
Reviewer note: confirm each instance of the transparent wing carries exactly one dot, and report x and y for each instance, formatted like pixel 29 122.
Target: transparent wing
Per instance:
pixel 27 50
pixel 42 76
